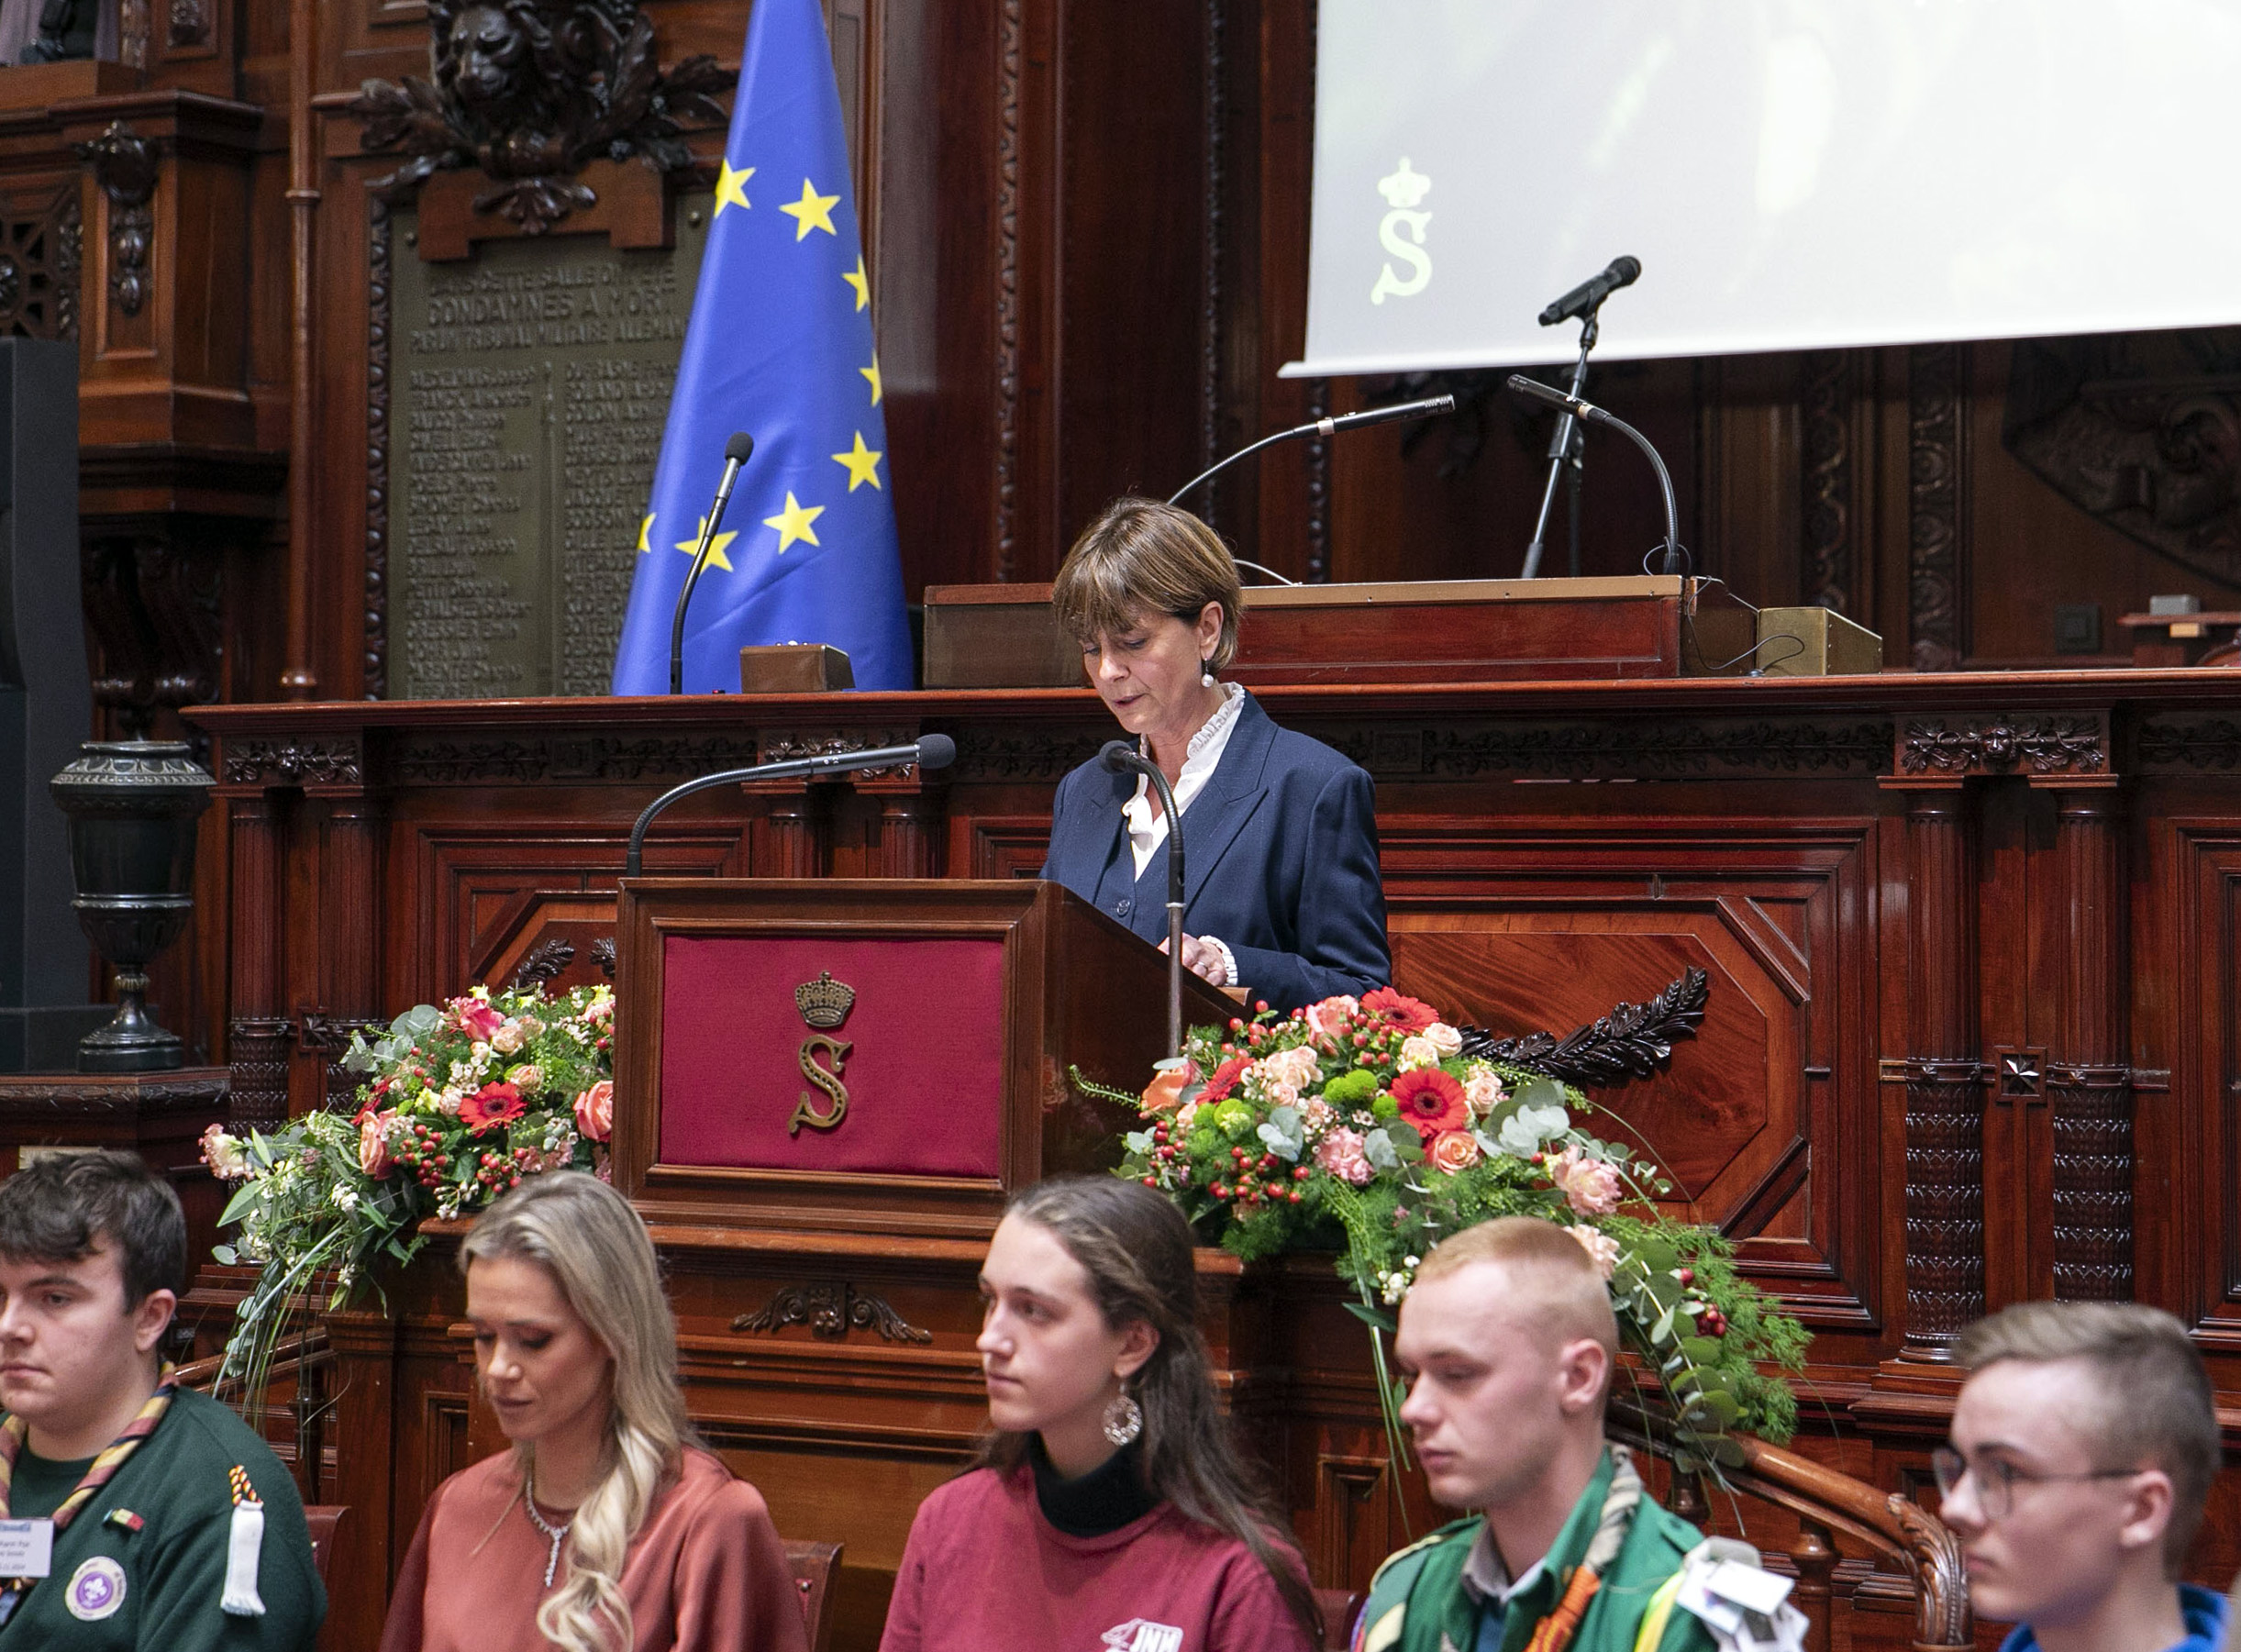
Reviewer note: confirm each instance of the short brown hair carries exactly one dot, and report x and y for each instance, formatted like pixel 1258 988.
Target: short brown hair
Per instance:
pixel 1141 556
pixel 1554 1269
pixel 2152 1396
pixel 63 1207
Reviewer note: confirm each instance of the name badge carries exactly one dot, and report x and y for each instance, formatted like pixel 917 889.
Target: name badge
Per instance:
pixel 26 1547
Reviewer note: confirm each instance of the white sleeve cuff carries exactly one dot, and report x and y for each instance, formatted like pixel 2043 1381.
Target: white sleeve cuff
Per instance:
pixel 1229 959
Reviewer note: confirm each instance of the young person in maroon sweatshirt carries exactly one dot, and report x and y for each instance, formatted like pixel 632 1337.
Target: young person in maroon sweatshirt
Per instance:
pixel 1110 1511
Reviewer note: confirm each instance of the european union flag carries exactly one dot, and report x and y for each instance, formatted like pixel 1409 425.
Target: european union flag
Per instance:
pixel 779 345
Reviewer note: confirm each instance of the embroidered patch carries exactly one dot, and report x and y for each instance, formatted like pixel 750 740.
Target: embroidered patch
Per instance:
pixel 96 1590
pixel 1141 1634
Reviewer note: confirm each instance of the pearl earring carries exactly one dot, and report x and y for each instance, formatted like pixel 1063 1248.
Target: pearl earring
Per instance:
pixel 1205 677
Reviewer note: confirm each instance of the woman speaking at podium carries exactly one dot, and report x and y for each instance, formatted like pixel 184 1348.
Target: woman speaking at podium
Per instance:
pixel 1280 831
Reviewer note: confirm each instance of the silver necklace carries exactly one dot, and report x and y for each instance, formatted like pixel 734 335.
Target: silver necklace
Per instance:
pixel 556 1532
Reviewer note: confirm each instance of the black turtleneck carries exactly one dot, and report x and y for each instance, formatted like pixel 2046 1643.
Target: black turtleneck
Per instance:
pixel 1107 1498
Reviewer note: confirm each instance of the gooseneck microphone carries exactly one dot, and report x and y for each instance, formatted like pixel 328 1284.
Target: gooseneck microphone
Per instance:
pixel 1122 758
pixel 1550 395
pixel 1430 408
pixel 927 751
pixel 1588 297
pixel 736 453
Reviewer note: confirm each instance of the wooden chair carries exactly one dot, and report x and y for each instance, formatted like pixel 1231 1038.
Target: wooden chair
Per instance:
pixel 322 1518
pixel 1337 1607
pixel 814 1564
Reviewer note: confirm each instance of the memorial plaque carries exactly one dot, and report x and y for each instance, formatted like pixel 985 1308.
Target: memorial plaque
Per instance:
pixel 530 385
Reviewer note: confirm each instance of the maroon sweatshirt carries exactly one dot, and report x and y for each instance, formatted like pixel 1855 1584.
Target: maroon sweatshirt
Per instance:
pixel 984 1572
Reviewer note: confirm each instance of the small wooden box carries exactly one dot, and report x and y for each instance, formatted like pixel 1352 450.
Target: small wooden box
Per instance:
pixel 1833 645
pixel 794 668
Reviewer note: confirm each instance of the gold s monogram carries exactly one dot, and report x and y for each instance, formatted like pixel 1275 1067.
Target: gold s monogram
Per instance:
pixel 825 1003
pixel 805 1110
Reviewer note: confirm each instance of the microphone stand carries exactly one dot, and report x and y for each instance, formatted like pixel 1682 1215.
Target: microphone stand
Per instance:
pixel 931 752
pixel 1567 457
pixel 1118 756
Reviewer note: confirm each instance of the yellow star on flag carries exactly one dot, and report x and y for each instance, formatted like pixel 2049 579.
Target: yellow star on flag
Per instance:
pixel 731 188
pixel 792 523
pixel 646 528
pixel 872 374
pixel 862 283
pixel 716 551
pixel 863 464
pixel 813 211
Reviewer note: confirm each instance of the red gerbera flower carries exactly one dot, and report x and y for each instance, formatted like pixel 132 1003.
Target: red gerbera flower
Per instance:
pixel 1432 1101
pixel 501 1104
pixel 1224 1079
pixel 1410 1015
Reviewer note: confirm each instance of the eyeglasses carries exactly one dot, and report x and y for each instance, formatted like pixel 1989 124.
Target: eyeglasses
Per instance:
pixel 1997 1480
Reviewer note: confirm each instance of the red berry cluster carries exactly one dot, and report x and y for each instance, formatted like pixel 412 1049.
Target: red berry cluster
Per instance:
pixel 1711 1322
pixel 422 1153
pixel 1257 1181
pixel 497 1173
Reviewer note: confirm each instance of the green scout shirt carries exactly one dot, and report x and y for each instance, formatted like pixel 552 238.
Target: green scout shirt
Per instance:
pixel 1417 1602
pixel 173 1567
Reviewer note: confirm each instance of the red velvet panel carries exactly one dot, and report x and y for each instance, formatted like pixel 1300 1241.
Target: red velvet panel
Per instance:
pixel 923 1072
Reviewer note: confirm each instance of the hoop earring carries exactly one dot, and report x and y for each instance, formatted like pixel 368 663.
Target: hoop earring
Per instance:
pixel 1124 1419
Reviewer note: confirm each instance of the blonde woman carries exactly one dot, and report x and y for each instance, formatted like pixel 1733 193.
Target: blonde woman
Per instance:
pixel 605 1529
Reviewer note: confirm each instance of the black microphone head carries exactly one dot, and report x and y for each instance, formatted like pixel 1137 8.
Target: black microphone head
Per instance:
pixel 737 450
pixel 935 751
pixel 1624 269
pixel 1119 756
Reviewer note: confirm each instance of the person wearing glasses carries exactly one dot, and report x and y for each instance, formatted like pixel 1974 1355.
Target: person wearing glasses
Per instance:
pixel 2083 1446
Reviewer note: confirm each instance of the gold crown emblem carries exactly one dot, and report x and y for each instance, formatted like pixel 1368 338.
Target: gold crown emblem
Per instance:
pixel 824 1003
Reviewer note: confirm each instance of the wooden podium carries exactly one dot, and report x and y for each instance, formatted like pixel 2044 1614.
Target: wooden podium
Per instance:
pixel 875 1056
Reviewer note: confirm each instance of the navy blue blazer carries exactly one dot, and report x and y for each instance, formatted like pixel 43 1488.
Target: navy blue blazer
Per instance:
pixel 1280 855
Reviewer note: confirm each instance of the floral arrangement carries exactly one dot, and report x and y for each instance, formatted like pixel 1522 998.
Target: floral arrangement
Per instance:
pixel 1366 1124
pixel 457 1105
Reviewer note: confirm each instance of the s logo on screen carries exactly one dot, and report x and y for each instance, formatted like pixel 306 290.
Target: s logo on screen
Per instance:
pixel 1402 234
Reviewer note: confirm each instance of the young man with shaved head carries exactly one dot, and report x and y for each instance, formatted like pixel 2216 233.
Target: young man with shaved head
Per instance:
pixel 1508 1342
pixel 2083 1447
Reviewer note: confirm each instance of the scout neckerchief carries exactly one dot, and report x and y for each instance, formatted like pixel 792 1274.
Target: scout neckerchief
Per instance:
pixel 1554 1632
pixel 112 1458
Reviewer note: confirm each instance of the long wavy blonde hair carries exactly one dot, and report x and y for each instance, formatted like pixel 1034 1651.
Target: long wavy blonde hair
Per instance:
pixel 585 1234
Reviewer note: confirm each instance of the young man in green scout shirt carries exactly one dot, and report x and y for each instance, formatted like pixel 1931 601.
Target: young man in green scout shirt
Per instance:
pixel 1508 1341
pixel 137 1515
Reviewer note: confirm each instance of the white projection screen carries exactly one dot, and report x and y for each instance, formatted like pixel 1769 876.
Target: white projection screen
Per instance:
pixel 1792 173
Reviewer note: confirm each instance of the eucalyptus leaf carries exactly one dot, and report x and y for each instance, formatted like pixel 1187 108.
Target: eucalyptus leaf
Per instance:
pixel 1663 1328
pixel 1377 1148
pixel 1137 1141
pixel 1542 1094
pixel 1407 1145
pixel 225 1253
pixel 1278 1143
pixel 418 1021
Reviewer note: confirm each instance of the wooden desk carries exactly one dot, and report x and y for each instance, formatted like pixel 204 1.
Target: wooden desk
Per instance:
pixel 1971 940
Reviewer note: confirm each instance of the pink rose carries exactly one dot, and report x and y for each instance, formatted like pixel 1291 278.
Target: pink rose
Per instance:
pixel 1455 1151
pixel 1590 1186
pixel 1599 1245
pixel 596 1110
pixel 1483 1091
pixel 1280 1094
pixel 1341 1153
pixel 1333 1017
pixel 1298 1067
pixel 374 1145
pixel 478 1020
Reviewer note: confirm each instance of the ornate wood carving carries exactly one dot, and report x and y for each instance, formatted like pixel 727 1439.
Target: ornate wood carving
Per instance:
pixel 259 1046
pixel 153 602
pixel 1944 1120
pixel 2213 744
pixel 39 266
pixel 530 91
pixel 2003 745
pixel 541 966
pixel 779 746
pixel 322 762
pixel 2089 1088
pixel 528 761
pixel 1935 467
pixel 328 1038
pixel 1632 1042
pixel 603 954
pixel 1010 26
pixel 1465 751
pixel 2141 431
pixel 125 166
pixel 831 1309
pixel 190 23
pixel 377 447
pixel 1318 488
pixel 1827 379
